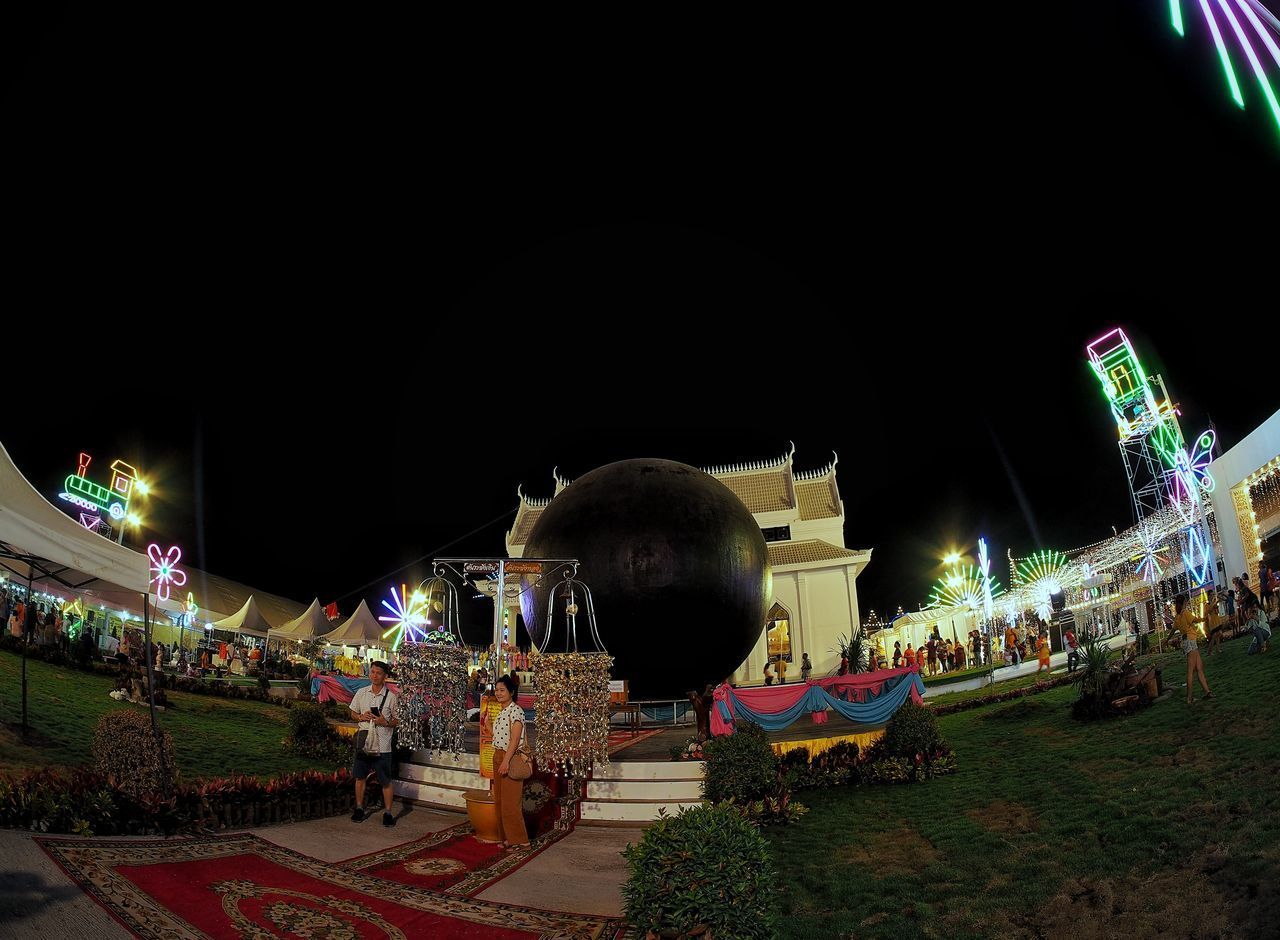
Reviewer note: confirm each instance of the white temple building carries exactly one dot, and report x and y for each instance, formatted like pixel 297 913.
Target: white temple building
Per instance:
pixel 815 594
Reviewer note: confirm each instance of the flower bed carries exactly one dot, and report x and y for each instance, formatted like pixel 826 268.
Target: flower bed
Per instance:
pixel 85 803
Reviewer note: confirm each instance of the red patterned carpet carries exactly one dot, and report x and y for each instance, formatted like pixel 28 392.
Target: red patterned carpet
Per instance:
pixel 618 740
pixel 452 861
pixel 242 886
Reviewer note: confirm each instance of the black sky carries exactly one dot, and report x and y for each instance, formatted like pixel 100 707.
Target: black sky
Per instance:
pixel 341 284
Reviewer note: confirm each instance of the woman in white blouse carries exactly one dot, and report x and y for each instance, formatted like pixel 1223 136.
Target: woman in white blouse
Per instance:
pixel 508 794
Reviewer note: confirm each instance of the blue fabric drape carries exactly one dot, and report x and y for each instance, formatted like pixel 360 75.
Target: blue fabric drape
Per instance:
pixel 876 710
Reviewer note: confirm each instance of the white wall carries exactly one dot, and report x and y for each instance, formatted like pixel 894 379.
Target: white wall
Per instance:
pixel 820 608
pixel 1260 447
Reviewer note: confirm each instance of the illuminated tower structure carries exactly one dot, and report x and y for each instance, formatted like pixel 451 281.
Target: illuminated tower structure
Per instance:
pixel 1145 418
pixel 1166 482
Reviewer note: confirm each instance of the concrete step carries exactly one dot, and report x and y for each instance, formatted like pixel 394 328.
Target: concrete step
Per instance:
pixel 639 790
pixel 463 761
pixel 442 776
pixel 650 770
pixel 446 797
pixel 597 812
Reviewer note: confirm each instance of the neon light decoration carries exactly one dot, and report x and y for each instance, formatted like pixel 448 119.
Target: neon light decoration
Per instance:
pixel 1151 567
pixel 1043 574
pixel 408 617
pixel 1125 384
pixel 165 570
pixel 83 492
pixel 963 587
pixel 984 565
pixel 90 521
pixel 1264 24
pixel 1197 557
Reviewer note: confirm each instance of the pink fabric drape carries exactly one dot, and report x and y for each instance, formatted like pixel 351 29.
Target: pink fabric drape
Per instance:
pixel 775 698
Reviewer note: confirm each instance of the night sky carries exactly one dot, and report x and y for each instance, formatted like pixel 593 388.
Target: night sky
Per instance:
pixel 339 286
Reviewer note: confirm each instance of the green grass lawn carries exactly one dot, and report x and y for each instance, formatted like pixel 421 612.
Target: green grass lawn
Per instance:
pixel 213 737
pixel 1161 824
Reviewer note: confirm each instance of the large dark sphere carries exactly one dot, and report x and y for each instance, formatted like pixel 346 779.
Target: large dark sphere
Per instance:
pixel 676 563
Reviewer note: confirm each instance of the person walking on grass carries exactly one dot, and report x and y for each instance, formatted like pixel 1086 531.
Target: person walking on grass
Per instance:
pixel 375 707
pixel 1184 621
pixel 1042 647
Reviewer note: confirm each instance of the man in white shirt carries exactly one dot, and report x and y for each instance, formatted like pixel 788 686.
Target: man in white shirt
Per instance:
pixel 375 707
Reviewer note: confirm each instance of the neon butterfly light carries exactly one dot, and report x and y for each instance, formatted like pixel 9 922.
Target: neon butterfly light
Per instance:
pixel 1265 24
pixel 1191 476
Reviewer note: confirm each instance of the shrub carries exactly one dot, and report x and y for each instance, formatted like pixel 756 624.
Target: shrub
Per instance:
pixel 311 736
pixel 705 871
pixel 307 724
pixel 740 766
pixel 911 749
pixel 125 751
pixel 912 730
pixel 302 671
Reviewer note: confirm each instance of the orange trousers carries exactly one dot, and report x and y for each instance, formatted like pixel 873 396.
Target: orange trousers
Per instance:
pixel 508 797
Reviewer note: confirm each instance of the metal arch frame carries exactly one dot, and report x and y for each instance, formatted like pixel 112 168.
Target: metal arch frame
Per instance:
pixel 570 583
pixel 450 591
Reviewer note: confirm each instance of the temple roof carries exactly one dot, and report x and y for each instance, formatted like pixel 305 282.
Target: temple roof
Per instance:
pixel 817 500
pixel 808 552
pixel 764 486
pixel 760 491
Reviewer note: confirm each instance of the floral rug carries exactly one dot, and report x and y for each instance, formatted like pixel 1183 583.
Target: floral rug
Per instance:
pixel 452 861
pixel 242 886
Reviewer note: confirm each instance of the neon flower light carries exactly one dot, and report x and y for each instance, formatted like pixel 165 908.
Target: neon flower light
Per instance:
pixel 407 617
pixel 1264 24
pixel 963 587
pixel 83 492
pixel 1151 567
pixel 165 570
pixel 1043 573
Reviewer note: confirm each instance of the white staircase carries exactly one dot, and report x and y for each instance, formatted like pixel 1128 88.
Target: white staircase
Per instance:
pixel 439 781
pixel 633 793
pixel 619 794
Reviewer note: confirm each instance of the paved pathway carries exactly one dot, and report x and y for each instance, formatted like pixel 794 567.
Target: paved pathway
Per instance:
pixel 582 873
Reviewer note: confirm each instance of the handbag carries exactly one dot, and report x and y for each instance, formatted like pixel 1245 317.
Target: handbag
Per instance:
pixel 520 766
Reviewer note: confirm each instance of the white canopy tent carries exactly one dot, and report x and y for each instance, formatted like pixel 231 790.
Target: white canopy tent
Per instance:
pixel 312 625
pixel 248 620
pixel 360 629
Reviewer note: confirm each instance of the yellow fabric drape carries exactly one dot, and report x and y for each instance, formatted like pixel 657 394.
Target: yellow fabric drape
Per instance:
pixel 819 745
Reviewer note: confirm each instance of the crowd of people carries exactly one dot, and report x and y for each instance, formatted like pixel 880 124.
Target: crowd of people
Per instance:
pixel 938 655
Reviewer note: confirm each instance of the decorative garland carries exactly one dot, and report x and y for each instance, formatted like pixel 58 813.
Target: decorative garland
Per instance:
pixel 433 695
pixel 573 711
